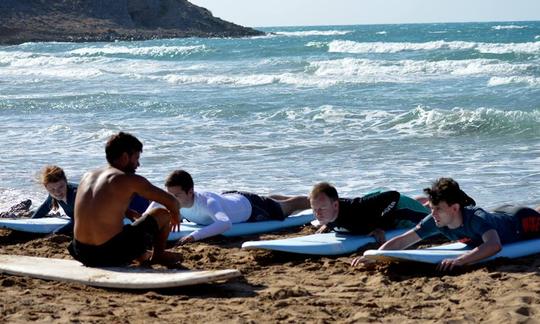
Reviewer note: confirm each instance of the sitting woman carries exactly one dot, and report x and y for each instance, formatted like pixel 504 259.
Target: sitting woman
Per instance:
pixel 61 194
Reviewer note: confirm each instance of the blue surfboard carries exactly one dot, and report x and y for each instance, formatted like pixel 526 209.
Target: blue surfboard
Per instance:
pixel 438 253
pixel 50 224
pixel 34 225
pixel 251 228
pixel 334 243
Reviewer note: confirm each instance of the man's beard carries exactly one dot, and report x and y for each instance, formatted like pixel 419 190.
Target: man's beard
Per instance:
pixel 129 169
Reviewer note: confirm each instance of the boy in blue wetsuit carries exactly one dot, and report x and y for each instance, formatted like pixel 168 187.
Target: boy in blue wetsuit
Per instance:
pixel 456 218
pixel 370 214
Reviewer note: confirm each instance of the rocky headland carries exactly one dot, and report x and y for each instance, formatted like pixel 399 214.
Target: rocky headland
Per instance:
pixel 109 20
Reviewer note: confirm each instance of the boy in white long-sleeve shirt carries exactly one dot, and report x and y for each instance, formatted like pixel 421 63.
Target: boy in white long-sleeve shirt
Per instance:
pixel 219 211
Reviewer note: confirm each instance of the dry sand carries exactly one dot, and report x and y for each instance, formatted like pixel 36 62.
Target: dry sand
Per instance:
pixel 279 287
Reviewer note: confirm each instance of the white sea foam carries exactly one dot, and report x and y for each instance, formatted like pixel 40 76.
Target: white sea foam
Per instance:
pixel 152 51
pixel 346 46
pixel 317 44
pixel 27 60
pixel 501 27
pixel 49 65
pixel 501 48
pixel 301 80
pixel 240 80
pixel 314 33
pixel 381 33
pixel 328 73
pixel 424 121
pixel 393 69
pixel 528 80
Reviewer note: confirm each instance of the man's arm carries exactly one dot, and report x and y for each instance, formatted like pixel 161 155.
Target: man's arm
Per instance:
pixel 402 241
pixel 491 246
pixel 153 193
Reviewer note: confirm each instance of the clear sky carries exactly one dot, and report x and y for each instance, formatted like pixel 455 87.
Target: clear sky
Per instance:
pixel 261 13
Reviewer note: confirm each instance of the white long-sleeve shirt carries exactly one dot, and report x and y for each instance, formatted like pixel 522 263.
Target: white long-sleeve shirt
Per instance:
pixel 217 211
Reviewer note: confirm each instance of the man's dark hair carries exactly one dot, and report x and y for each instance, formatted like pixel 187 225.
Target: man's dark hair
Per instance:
pixel 324 188
pixel 120 143
pixel 179 178
pixel 448 190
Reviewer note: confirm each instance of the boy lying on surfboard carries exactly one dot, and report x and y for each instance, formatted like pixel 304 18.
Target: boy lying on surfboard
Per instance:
pixel 455 216
pixel 218 211
pixel 370 214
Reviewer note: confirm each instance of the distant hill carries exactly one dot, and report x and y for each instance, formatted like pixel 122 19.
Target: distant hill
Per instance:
pixel 108 20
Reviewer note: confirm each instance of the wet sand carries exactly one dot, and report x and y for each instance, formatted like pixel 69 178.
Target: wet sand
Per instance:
pixel 278 287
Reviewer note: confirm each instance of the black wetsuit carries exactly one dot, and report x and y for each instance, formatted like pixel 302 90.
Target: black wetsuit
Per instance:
pixel 384 210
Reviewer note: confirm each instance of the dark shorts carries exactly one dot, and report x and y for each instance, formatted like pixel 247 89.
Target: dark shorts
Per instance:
pixel 126 246
pixel 262 208
pixel 529 219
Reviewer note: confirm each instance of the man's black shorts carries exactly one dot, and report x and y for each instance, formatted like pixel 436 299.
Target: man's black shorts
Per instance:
pixel 126 246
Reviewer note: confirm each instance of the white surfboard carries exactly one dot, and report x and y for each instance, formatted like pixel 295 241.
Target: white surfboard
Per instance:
pixel 110 277
pixel 333 243
pixel 438 253
pixel 251 228
pixel 34 225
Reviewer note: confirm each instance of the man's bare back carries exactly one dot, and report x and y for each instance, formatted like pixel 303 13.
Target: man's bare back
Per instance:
pixel 101 204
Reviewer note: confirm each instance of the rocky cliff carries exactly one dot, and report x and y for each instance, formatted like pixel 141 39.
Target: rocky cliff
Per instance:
pixel 107 20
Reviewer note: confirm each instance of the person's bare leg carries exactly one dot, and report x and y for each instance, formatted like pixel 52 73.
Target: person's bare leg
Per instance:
pixel 294 203
pixel 279 197
pixel 159 255
pixel 423 200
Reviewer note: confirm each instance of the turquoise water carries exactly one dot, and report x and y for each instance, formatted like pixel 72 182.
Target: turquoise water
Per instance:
pixel 391 106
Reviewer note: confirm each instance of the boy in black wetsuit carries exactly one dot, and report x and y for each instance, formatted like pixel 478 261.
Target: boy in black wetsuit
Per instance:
pixel 370 214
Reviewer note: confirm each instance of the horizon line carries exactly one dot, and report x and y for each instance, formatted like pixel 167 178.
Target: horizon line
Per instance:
pixel 403 23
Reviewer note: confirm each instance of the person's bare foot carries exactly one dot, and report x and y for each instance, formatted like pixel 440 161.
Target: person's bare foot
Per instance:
pixel 143 260
pixel 167 258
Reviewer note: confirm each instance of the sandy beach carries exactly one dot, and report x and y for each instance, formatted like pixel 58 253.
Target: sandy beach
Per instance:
pixel 278 287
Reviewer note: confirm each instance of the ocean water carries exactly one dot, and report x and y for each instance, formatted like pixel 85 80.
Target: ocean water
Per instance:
pixel 363 107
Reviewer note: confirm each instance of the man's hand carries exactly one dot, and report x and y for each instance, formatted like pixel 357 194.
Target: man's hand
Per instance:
pixel 449 264
pixel 175 228
pixel 132 215
pixel 323 229
pixel 186 239
pixel 176 219
pixel 378 235
pixel 361 260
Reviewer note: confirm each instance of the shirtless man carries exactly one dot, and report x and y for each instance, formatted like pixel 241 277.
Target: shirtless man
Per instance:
pixel 100 236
